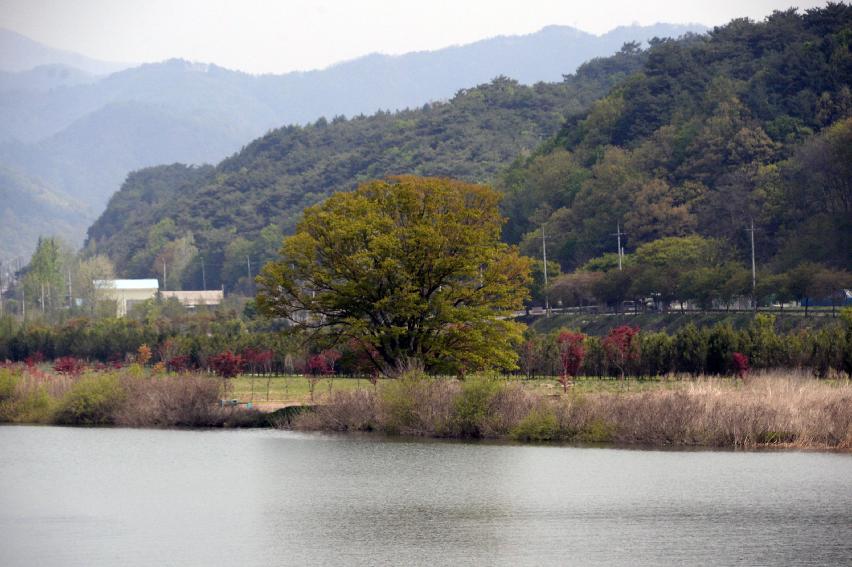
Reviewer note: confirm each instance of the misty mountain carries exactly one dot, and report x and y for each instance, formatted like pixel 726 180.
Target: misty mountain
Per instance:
pixel 81 137
pixel 20 53
pixel 44 78
pixel 29 208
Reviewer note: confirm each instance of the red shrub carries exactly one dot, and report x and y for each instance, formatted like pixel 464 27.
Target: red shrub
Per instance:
pixel 179 363
pixel 227 364
pixel 34 359
pixel 621 348
pixel 571 354
pixel 69 365
pixel 258 361
pixel 322 363
pixel 740 364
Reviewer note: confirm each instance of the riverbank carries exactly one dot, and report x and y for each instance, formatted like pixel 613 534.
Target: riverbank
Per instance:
pixel 771 410
pixel 127 397
pixel 777 409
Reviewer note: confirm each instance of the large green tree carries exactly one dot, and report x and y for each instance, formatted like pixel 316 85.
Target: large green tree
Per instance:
pixel 409 268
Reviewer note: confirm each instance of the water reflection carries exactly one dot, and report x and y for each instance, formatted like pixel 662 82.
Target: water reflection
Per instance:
pixel 142 497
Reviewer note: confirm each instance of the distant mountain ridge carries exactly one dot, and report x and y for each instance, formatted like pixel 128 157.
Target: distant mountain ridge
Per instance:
pixel 20 53
pixel 736 145
pixel 80 135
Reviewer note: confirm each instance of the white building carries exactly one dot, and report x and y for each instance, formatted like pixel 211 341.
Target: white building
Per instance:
pixel 196 298
pixel 126 293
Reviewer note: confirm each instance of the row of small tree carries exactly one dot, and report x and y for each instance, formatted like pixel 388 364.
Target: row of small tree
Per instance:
pixel 628 351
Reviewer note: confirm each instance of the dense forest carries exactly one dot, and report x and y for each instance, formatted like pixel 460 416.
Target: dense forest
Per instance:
pixel 681 145
pixel 748 122
pixel 239 210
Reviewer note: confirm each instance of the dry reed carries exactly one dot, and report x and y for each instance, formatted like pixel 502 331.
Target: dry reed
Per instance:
pixel 771 409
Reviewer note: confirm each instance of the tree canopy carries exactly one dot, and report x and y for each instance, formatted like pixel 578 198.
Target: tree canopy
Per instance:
pixel 410 269
pixel 751 121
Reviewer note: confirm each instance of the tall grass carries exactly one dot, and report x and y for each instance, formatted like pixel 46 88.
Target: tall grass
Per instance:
pixel 772 409
pixel 128 397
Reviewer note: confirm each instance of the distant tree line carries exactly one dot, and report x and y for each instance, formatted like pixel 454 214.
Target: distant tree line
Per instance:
pixel 699 272
pixel 209 341
pixel 629 351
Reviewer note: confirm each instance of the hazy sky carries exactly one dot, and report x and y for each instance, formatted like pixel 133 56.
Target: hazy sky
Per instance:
pixel 276 36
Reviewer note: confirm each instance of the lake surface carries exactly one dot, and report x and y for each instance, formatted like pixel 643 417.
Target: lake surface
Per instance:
pixel 261 497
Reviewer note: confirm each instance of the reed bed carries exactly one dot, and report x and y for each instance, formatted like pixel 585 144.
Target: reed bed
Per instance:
pixel 127 397
pixel 786 409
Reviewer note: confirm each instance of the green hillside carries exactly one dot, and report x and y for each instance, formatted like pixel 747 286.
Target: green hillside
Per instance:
pixel 29 209
pixel 236 214
pixel 750 121
pixel 681 145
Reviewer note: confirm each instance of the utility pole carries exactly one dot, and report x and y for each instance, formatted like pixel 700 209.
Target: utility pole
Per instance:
pixel 164 274
pixel 544 260
pixel 753 267
pixel 203 275
pixel 42 297
pixel 70 294
pixel 618 234
pixel 248 264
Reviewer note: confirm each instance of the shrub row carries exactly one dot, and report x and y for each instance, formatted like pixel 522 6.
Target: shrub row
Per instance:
pixel 201 345
pixel 768 410
pixel 130 397
pixel 701 351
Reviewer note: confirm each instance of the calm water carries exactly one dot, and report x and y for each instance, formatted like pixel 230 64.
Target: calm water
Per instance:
pixel 138 497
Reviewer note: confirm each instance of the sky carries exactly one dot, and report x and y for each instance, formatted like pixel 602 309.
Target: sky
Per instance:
pixel 276 36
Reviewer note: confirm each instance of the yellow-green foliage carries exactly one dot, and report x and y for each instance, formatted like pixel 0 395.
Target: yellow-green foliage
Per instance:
pixel 596 431
pixel 472 405
pixel 427 252
pixel 8 383
pixel 539 425
pixel 91 401
pixel 398 401
pixel 22 404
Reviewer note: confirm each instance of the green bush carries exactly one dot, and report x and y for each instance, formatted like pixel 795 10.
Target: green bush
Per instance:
pixel 8 386
pixel 597 431
pixel 8 382
pixel 36 406
pixel 399 401
pixel 690 348
pixel 539 425
pixel 21 405
pixel 92 401
pixel 470 408
pixel 721 345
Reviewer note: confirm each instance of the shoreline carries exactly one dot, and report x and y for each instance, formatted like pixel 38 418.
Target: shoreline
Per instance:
pixel 774 410
pixel 382 437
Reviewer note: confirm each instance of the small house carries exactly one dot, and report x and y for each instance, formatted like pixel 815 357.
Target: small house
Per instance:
pixel 126 293
pixel 197 298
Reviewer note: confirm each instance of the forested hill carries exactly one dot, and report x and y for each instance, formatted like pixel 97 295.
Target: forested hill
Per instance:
pixel 751 121
pixel 79 133
pixel 235 214
pixel 692 137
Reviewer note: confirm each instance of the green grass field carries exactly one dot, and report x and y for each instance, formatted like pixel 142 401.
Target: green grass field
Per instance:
pixel 296 389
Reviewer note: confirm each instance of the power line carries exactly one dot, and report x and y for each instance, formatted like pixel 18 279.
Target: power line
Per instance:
pixel 753 266
pixel 618 234
pixel 544 259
